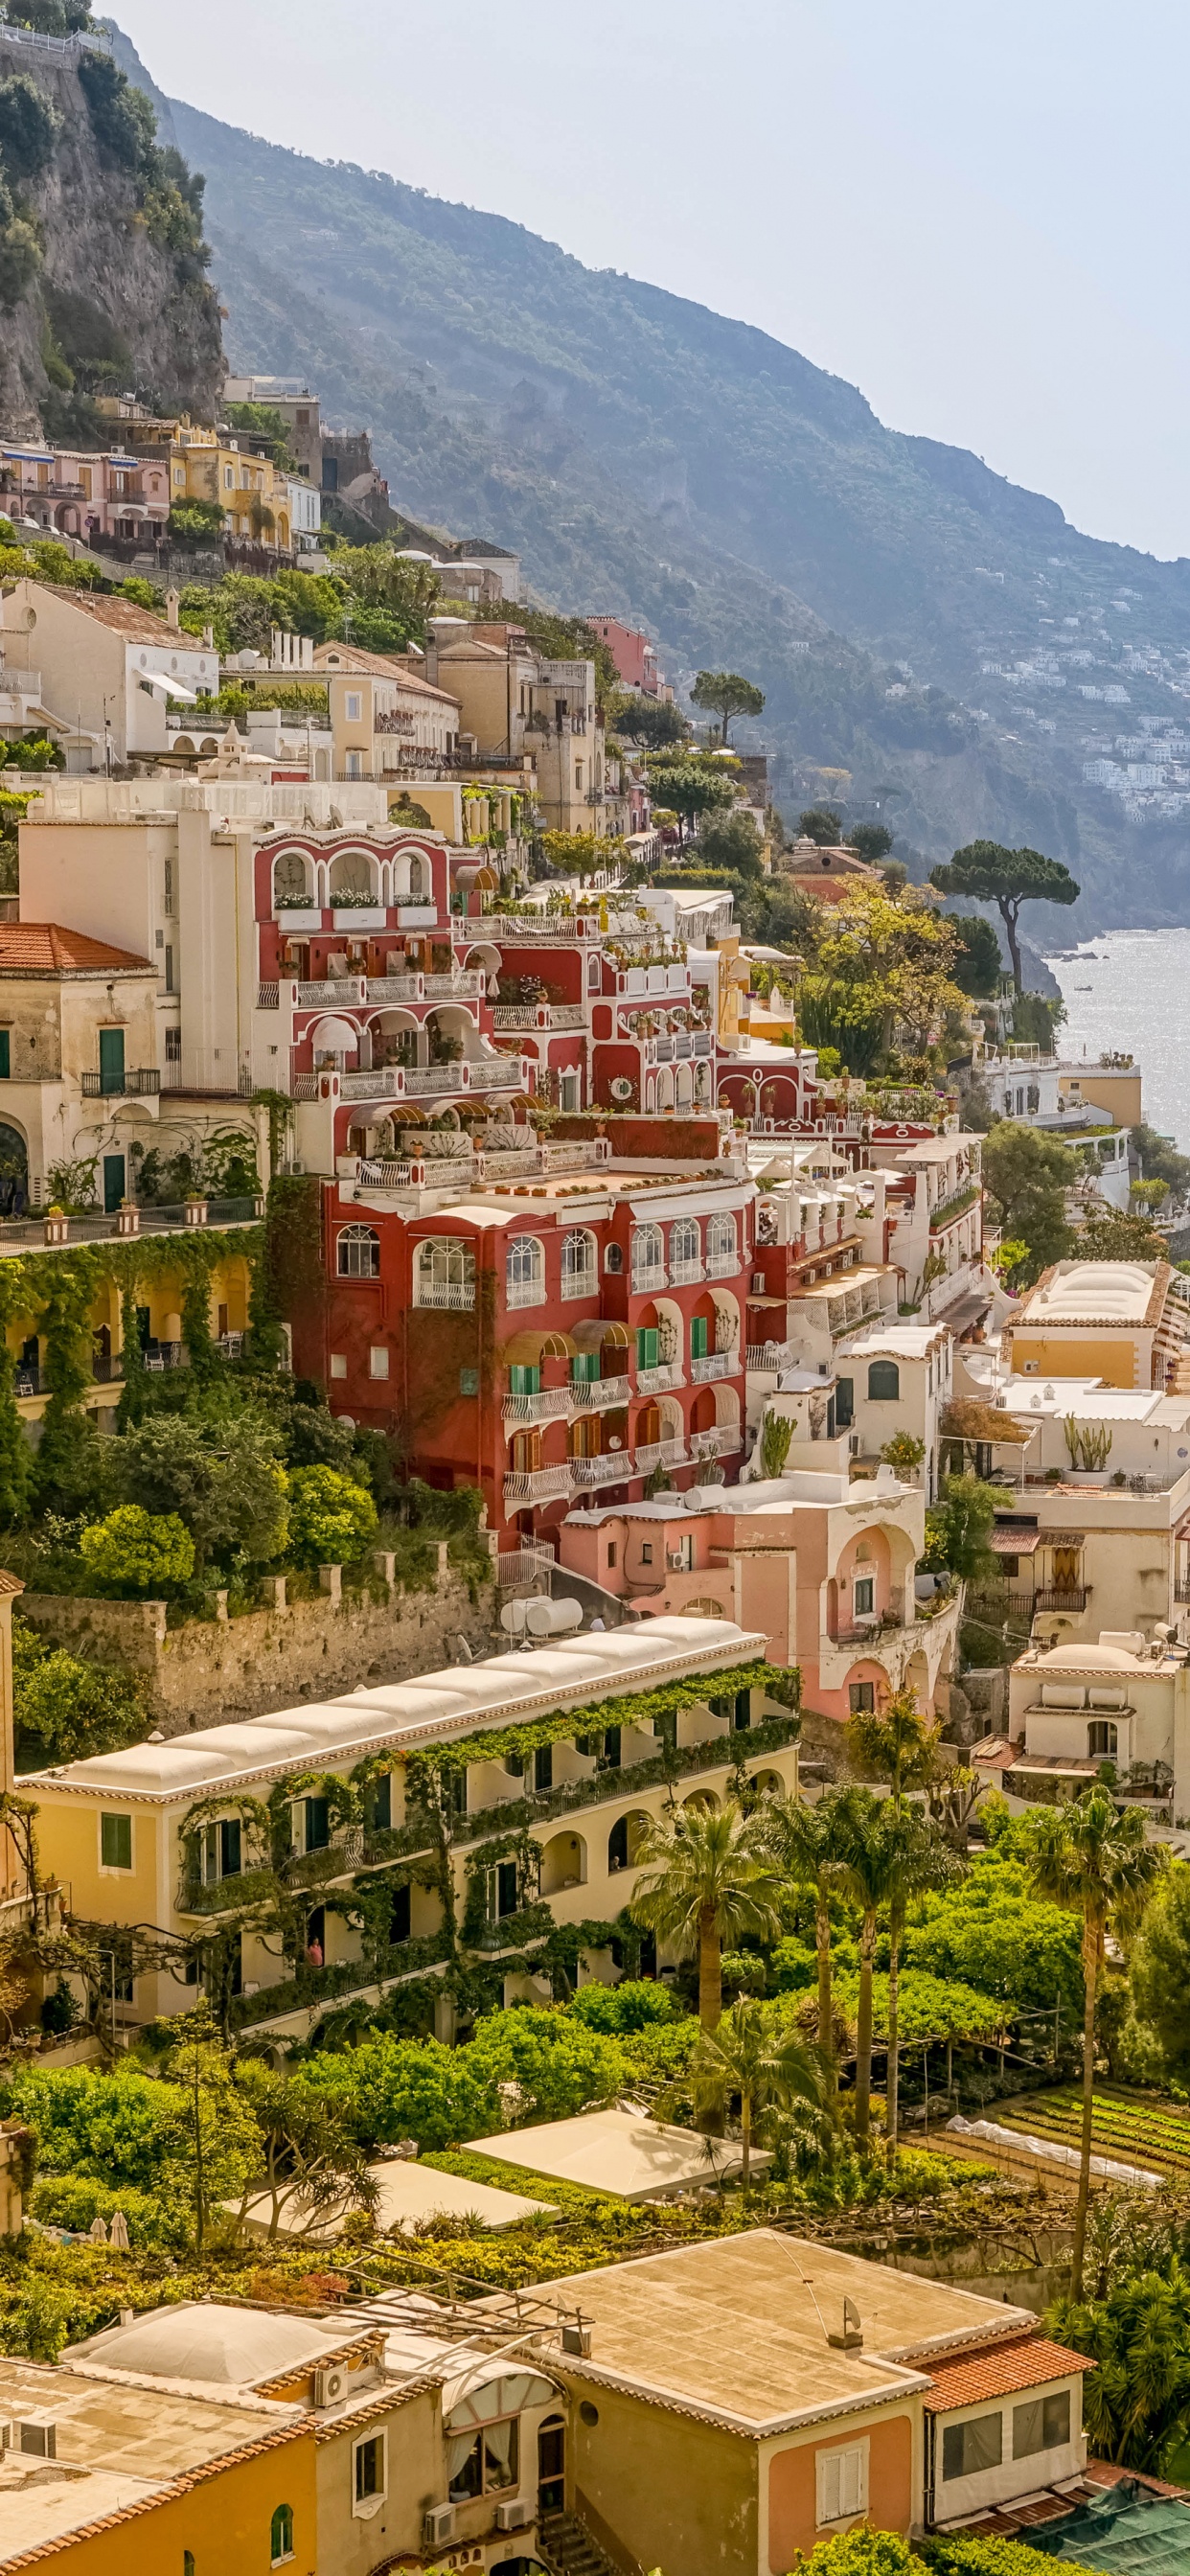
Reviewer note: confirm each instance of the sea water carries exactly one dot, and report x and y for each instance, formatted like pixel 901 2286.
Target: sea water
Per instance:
pixel 1128 993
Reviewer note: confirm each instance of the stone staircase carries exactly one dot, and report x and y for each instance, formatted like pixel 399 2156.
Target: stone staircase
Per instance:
pixel 566 2548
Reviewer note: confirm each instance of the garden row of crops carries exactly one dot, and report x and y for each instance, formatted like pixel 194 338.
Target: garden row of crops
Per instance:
pixel 1136 2128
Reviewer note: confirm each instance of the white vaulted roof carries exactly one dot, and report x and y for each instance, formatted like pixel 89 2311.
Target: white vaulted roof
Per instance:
pixel 571 1672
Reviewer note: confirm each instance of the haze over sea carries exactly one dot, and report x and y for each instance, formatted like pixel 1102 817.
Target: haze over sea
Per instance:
pixel 1129 992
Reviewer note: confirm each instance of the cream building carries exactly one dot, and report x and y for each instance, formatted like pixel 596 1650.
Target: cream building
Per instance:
pixel 170 1834
pixel 108 669
pixel 1124 1321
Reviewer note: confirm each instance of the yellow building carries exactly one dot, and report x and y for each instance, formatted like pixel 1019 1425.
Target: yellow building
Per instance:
pixel 207 465
pixel 196 1835
pixel 1126 1322
pixel 159 1276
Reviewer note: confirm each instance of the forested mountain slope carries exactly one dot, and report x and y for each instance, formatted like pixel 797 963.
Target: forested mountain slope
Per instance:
pixel 651 458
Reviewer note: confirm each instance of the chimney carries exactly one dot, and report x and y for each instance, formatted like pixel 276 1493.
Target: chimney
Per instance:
pixel 172 604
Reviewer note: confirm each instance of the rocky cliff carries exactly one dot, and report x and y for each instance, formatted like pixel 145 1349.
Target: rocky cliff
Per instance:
pixel 103 267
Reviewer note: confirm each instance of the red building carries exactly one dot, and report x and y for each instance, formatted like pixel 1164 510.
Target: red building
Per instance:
pixel 548 1320
pixel 632 653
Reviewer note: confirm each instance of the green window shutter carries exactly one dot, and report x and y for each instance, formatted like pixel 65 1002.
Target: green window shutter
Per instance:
pixel 5 1055
pixel 646 1346
pixel 111 1060
pixel 115 1842
pixel 523 1379
pixel 698 1337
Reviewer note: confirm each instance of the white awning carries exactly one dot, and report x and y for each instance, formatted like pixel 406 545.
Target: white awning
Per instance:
pixel 484 2393
pixel 169 687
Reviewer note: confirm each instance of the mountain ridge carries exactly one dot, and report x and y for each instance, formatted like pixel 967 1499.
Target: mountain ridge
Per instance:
pixel 663 462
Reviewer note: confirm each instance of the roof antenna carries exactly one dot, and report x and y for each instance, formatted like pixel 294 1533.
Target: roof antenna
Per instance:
pixel 852 2337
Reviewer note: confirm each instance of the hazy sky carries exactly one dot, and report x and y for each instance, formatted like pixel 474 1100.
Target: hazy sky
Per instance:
pixel 971 212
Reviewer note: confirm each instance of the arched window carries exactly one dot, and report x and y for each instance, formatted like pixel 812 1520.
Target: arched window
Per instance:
pixel 418 887
pixel 580 1264
pixel 358 1252
pixel 281 2535
pixel 648 1252
pixel 291 878
pixel 685 1245
pixel 614 1261
pixel 525 1271
pixel 445 1271
pixel 352 878
pixel 884 1382
pixel 722 1255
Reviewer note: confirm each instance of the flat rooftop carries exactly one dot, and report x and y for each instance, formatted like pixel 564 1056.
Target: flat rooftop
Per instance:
pixel 571 1672
pixel 619 2152
pixel 117 2448
pixel 409 2194
pixel 1095 1292
pixel 737 2329
pixel 800 1489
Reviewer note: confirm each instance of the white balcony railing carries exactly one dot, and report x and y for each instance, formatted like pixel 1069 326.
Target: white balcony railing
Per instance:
pixel 723 1265
pixel 516 1017
pixel 660 1453
pixel 525 1292
pixel 394 988
pixel 343 989
pixel 458 1294
pixel 645 1283
pixel 599 1394
pixel 721 1441
pixel 658 1381
pixel 537 1485
pixel 714 1364
pixel 580 1283
pixel 611 1467
pixel 549 1404
pixel 686 1274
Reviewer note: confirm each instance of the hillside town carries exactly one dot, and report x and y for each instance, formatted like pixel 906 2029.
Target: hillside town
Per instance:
pixel 594 1583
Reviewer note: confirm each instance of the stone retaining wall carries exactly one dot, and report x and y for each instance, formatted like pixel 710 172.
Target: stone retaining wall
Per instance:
pixel 208 1670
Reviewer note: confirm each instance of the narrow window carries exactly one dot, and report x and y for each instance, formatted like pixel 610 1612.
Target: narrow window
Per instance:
pixel 115 1842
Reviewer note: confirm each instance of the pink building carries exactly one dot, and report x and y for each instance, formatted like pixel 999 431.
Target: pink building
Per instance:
pixel 632 653
pixel 825 1567
pixel 74 493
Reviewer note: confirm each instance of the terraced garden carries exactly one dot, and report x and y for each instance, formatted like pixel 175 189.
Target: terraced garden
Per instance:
pixel 1135 2128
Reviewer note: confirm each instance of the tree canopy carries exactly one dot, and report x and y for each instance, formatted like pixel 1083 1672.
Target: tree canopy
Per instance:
pixel 1008 878
pixel 727 694
pixel 1027 1175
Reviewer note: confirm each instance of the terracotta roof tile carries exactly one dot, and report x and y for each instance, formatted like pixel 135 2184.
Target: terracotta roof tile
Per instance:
pixel 45 948
pixel 138 625
pixel 1027 2363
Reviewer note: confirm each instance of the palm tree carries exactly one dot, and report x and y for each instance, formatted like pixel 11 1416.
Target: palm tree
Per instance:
pixel 812 1845
pixel 768 2067
pixel 894 1743
pixel 868 1878
pixel 918 1857
pixel 1098 1864
pixel 709 1878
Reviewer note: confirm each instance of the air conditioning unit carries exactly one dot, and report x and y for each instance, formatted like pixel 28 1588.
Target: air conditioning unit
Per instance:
pixel 438 2525
pixel 675 1560
pixel 330 2386
pixel 514 2514
pixel 576 2338
pixel 39 2436
pixel 758 1283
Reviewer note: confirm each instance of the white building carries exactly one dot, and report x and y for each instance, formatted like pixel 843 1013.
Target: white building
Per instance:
pixel 108 668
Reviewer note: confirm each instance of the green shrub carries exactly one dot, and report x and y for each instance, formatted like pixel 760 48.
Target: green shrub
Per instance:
pixel 155 2223
pixel 73 1709
pixel 409 2089
pixel 27 129
pixel 632 2005
pixel 331 1518
pixel 138 1551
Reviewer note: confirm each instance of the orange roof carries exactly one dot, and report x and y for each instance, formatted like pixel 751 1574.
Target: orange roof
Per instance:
pixel 386 666
pixel 137 625
pixel 43 948
pixel 1029 2362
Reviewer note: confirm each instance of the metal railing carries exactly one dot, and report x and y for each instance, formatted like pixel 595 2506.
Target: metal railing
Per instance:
pixel 597 1394
pixel 660 1453
pixel 522 1567
pixel 686 1274
pixel 714 1364
pixel 549 1404
pixel 659 1381
pixel 525 1292
pixel 513 1017
pixel 721 1441
pixel 456 1294
pixel 611 1467
pixel 332 988
pixel 143 1083
pixel 723 1265
pixel 645 1283
pixel 268 997
pixel 537 1485
pixel 1074 1597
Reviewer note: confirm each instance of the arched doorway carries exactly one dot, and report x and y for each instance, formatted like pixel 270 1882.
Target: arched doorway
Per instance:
pixel 14 1171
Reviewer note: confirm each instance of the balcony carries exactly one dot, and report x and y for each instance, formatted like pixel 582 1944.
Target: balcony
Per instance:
pixel 659 1381
pixel 646 1283
pixel 1073 1597
pixel 458 1295
pixel 268 997
pixel 660 1453
pixel 549 1404
pixel 469 984
pixel 580 1283
pixel 393 988
pixel 686 1274
pixel 515 1018
pixel 599 1394
pixel 721 1441
pixel 143 1084
pixel 525 1292
pixel 722 1265
pixel 341 989
pixel 611 1467
pixel 537 1485
pixel 714 1364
